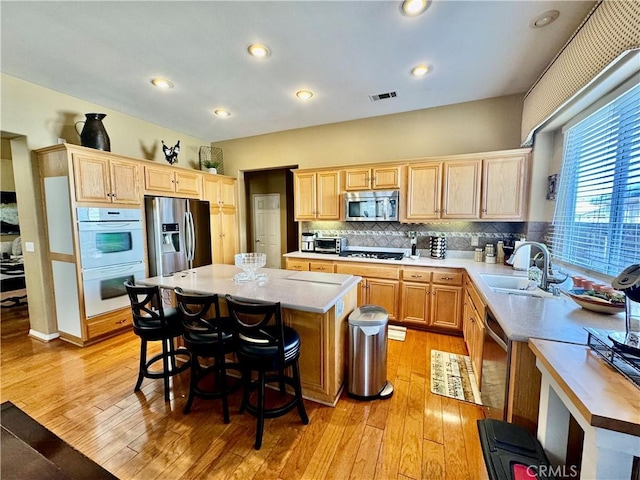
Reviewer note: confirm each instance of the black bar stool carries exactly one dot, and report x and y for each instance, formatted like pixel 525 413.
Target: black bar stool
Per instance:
pixel 266 345
pixel 152 322
pixel 207 337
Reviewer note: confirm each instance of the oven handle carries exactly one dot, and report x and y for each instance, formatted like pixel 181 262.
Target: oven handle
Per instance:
pixel 90 226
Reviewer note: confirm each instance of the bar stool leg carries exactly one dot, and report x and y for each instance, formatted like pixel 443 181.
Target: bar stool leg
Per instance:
pixel 298 393
pixel 260 422
pixel 143 364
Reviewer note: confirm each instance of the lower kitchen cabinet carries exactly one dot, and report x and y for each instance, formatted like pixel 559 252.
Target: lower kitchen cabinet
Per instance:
pixel 380 285
pixel 321 266
pixel 432 299
pixel 297 264
pixel 474 311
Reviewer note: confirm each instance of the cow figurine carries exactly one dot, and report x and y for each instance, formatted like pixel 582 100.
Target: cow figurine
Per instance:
pixel 171 153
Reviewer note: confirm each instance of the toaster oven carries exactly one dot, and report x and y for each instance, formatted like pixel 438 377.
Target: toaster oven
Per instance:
pixel 330 244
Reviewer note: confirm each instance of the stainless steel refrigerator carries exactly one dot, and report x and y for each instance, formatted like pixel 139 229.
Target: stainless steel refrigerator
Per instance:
pixel 178 234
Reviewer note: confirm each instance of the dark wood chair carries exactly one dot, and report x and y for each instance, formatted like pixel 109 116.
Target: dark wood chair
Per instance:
pixel 207 336
pixel 267 347
pixel 154 323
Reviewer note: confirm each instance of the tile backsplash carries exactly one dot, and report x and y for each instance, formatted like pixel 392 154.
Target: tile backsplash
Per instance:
pixel 458 234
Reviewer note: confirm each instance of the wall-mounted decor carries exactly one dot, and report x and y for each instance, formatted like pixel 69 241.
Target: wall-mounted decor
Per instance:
pixel 9 224
pixel 552 186
pixel 171 153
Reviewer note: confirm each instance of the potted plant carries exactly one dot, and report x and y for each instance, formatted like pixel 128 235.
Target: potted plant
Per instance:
pixel 211 165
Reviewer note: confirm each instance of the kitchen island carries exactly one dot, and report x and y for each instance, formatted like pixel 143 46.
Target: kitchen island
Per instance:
pixel 317 305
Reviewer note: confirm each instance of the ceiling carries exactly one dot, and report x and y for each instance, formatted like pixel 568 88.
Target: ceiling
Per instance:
pixel 343 51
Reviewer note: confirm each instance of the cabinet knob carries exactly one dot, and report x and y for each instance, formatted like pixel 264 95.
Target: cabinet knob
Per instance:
pixel 447 278
pixel 122 321
pixel 484 210
pixel 416 276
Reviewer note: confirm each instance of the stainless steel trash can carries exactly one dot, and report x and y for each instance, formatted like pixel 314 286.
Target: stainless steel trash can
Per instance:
pixel 367 376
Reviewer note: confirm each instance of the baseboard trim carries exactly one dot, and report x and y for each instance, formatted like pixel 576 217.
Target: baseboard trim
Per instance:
pixel 45 337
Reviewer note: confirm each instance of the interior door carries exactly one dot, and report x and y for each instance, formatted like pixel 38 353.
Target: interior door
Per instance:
pixel 266 227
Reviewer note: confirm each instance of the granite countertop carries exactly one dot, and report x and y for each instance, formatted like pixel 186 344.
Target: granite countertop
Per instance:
pixel 314 292
pixel 550 318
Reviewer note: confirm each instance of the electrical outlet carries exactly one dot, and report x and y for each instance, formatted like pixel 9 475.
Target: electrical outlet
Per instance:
pixel 29 247
pixel 474 241
pixel 411 234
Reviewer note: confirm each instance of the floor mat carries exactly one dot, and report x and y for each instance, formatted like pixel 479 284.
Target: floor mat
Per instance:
pixel 29 450
pixel 452 376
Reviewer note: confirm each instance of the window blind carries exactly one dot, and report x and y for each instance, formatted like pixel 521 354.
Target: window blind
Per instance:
pixel 596 223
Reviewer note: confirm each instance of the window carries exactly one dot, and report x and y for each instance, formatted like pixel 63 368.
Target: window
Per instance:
pixel 596 224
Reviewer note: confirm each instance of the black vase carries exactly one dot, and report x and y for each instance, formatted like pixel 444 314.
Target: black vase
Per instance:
pixel 93 134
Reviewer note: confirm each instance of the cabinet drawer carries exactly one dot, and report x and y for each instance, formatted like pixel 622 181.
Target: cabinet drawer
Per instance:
pixel 416 275
pixel 369 271
pixel 447 277
pixel 300 265
pixel 108 323
pixel 321 266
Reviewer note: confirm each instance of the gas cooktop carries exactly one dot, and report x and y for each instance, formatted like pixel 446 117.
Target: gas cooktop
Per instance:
pixel 376 255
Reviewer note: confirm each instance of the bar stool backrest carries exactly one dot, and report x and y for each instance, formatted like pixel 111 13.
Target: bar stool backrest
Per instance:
pixel 259 324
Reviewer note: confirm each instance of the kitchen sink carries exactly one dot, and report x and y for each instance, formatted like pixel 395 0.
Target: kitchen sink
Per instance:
pixel 513 285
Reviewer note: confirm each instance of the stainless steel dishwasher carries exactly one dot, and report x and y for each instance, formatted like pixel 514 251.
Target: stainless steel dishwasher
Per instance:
pixel 495 369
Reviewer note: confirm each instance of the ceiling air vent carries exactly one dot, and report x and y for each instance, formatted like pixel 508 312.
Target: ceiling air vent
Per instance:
pixel 383 96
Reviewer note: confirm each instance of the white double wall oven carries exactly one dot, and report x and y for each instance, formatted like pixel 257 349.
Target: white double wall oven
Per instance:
pixel 112 250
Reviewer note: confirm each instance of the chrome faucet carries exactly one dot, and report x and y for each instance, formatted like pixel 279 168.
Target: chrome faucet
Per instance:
pixel 546 258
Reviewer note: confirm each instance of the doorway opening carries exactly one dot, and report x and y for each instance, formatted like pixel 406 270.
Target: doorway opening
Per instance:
pixel 270 187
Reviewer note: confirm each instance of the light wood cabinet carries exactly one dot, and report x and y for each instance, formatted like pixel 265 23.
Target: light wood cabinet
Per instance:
pixel 380 285
pixel 432 298
pixel 374 178
pixel 100 179
pixel 461 189
pixel 72 176
pixel 424 182
pixel 489 186
pixel 160 180
pixel 297 264
pixel 474 311
pixel 316 195
pixel 505 181
pixel 321 266
pixel 220 192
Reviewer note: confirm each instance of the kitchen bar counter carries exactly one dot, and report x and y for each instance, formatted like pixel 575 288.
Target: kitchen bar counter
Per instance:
pixel 317 305
pixel 558 318
pixel 606 406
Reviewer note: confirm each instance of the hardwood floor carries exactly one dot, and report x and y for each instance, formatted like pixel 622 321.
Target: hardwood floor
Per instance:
pixel 85 396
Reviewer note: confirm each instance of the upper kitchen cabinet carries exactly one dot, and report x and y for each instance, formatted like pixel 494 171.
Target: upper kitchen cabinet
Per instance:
pixel 99 178
pixel 488 186
pixel 375 178
pixel 504 183
pixel 169 181
pixel 461 189
pixel 317 195
pixel 424 182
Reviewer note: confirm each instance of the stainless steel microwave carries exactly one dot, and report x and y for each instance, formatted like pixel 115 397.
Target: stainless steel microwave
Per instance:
pixel 371 206
pixel 330 244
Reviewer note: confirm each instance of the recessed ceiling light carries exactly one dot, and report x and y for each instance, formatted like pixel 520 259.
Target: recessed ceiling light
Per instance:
pixel 258 50
pixel 544 19
pixel 221 112
pixel 411 8
pixel 304 94
pixel 420 70
pixel 161 83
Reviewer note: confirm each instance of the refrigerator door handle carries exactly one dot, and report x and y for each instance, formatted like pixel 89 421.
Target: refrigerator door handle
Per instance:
pixel 187 237
pixel 192 237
